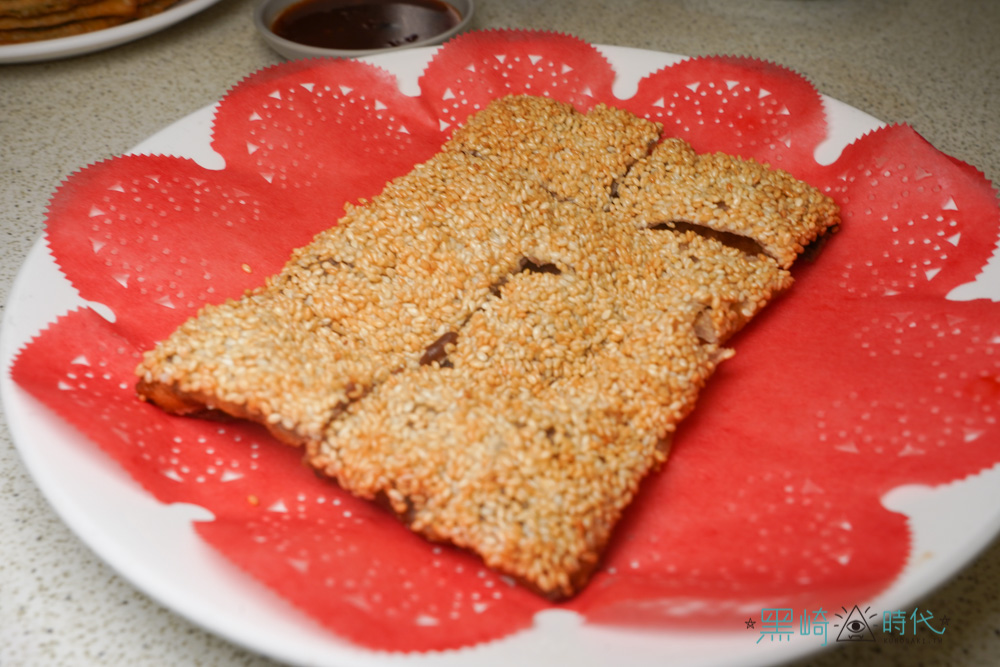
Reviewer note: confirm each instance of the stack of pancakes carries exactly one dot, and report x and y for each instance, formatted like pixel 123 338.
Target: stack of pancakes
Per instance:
pixel 34 20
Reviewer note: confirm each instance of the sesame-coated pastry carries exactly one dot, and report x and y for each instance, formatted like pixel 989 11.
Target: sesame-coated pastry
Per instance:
pixel 499 346
pixel 674 185
pixel 577 157
pixel 526 441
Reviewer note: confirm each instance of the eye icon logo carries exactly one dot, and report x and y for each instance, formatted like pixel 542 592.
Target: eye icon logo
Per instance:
pixel 855 627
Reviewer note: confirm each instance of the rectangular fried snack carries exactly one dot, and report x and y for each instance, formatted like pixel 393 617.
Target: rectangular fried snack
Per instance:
pixel 499 346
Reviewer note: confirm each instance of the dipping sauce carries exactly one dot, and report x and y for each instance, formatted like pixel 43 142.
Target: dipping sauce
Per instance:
pixel 364 24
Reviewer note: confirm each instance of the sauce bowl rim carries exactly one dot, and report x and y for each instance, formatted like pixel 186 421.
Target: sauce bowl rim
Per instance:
pixel 267 10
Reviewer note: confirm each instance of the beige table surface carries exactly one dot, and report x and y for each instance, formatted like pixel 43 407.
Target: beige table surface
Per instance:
pixel 934 64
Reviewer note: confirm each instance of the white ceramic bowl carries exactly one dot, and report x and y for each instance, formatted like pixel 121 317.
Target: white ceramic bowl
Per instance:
pixel 268 10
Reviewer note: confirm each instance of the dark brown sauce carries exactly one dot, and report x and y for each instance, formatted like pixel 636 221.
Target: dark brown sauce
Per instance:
pixel 364 24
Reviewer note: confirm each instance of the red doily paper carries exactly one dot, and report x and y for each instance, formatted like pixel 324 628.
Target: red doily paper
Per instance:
pixel 864 378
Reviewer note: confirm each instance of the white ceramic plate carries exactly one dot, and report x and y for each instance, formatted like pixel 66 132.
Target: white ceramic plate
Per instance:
pixel 77 45
pixel 154 547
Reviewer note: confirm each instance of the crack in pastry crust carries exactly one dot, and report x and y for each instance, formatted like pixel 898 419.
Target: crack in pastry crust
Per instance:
pixel 724 194
pixel 500 345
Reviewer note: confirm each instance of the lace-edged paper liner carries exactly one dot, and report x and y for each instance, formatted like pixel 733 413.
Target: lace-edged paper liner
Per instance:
pixel 864 378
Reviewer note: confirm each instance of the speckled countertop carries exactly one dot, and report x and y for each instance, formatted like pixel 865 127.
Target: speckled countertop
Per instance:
pixel 932 64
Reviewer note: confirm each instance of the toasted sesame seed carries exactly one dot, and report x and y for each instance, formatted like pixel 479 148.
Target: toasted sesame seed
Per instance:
pixel 501 343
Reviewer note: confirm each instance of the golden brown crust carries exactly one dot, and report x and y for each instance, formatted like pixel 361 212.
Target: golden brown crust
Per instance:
pixel 780 213
pixel 26 8
pixel 98 9
pixel 555 401
pixel 576 157
pixel 149 8
pixel 24 21
pixel 172 399
pixel 495 347
pixel 20 36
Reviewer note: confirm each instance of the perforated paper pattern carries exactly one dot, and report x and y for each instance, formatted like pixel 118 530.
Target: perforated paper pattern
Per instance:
pixel 863 378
